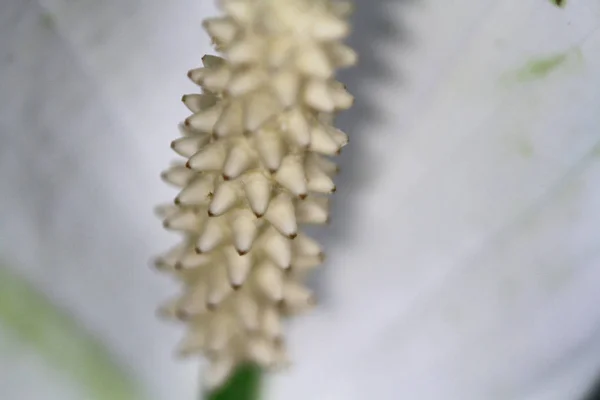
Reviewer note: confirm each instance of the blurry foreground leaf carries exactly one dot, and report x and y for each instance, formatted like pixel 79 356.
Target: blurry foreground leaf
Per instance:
pixel 66 346
pixel 244 384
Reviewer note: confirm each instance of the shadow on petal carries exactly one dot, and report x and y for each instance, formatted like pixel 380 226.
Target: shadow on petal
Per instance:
pixel 376 27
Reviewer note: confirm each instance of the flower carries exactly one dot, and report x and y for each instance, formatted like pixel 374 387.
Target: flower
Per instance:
pixel 463 263
pixel 257 150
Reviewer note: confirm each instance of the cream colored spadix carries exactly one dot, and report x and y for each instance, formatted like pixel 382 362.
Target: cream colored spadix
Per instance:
pixel 245 229
pixel 197 102
pixel 178 175
pixel 278 248
pixel 196 192
pixel 186 221
pixel 291 175
pixel 286 84
pixel 222 30
pixel 248 311
pixel 271 322
pixel 282 216
pixel 257 146
pixel 238 267
pixel 187 146
pixel 258 192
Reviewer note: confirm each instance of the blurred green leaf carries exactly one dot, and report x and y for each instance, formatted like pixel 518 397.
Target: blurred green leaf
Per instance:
pixel 244 384
pixel 63 343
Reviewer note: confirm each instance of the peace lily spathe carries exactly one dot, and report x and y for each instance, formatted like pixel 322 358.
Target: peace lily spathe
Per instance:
pixel 257 148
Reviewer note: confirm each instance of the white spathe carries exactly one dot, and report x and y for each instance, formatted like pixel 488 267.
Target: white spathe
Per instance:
pixel 469 267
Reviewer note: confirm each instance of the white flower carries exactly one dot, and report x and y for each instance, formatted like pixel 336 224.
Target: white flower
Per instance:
pixel 257 147
pixel 461 257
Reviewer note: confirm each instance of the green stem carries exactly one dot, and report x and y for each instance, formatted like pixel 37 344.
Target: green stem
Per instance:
pixel 35 322
pixel 244 384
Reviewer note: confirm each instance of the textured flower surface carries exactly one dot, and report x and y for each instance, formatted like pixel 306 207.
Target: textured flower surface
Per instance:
pixel 462 256
pixel 257 149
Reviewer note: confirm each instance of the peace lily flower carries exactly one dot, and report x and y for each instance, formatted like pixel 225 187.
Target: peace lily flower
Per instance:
pixel 462 252
pixel 257 148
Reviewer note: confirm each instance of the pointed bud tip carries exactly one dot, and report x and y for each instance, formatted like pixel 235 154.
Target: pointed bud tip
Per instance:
pixel 182 315
pixel 334 189
pixel 188 165
pixel 210 213
pixel 177 201
pixel 242 252
pixel 258 215
pixel 158 263
pixel 197 250
pixel 292 235
pixel 226 177
pixel 178 266
pixel 211 306
pixel 236 286
pixel 302 196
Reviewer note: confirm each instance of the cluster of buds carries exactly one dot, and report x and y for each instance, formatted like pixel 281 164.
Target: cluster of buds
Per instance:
pixel 257 164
